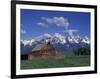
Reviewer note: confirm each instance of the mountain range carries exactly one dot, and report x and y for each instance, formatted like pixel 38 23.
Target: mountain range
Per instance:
pixel 64 44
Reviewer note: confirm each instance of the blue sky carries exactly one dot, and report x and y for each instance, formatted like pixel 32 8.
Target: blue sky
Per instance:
pixel 38 22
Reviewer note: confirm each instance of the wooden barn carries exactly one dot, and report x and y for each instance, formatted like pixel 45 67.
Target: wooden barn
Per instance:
pixel 43 51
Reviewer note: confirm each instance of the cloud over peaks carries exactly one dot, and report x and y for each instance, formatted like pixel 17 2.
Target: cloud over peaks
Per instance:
pixel 42 24
pixel 58 21
pixel 72 31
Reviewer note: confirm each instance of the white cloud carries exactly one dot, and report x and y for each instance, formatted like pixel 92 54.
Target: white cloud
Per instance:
pixel 58 21
pixel 23 31
pixel 42 24
pixel 47 35
pixel 71 31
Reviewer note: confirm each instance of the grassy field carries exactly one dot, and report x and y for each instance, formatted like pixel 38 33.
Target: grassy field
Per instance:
pixel 68 61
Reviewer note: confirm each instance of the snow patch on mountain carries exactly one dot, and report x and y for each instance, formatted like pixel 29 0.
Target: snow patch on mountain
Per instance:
pixel 74 39
pixel 86 40
pixel 27 42
pixel 58 38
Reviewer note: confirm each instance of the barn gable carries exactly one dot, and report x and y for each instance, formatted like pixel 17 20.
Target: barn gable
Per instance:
pixel 42 51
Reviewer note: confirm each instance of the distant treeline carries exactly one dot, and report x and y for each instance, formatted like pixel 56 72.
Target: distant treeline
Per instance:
pixel 82 51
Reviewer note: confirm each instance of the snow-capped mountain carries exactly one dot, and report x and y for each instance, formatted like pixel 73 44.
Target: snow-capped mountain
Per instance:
pixel 59 41
pixel 74 39
pixel 58 38
pixel 27 42
pixel 86 40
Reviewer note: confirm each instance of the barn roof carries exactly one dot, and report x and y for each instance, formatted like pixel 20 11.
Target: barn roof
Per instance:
pixel 42 46
pixel 38 47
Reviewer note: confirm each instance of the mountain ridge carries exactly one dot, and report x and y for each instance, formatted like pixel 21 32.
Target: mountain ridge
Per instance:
pixel 60 43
